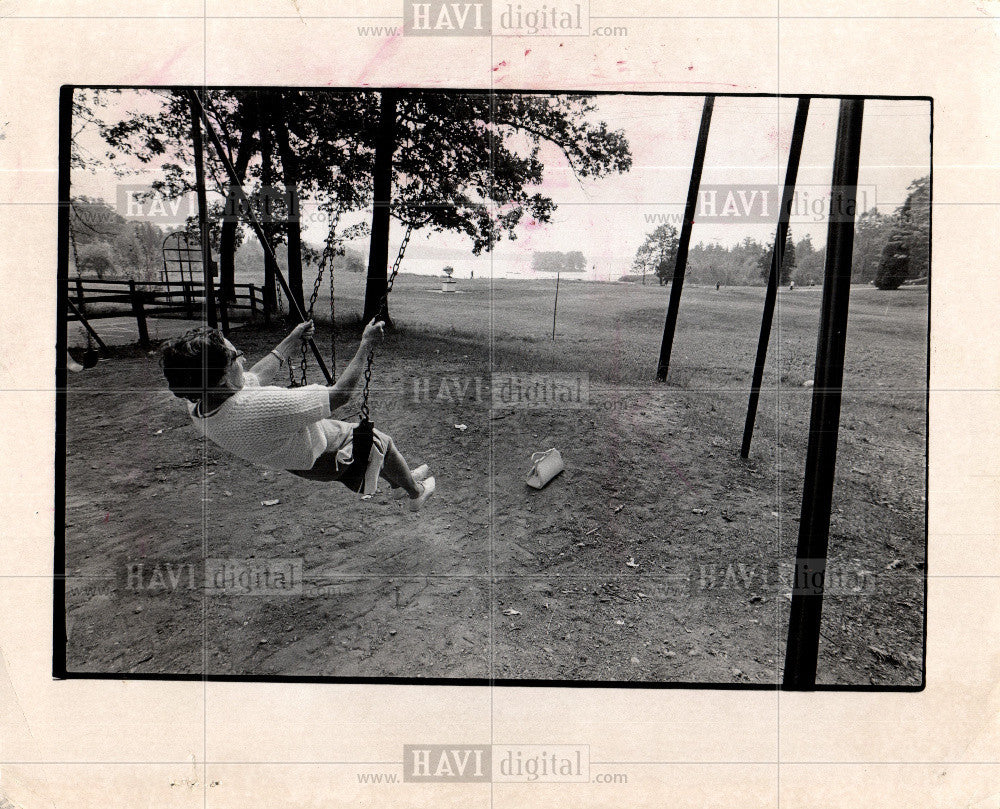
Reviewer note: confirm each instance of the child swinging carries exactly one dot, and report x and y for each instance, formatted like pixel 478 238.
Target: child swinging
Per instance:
pixel 282 428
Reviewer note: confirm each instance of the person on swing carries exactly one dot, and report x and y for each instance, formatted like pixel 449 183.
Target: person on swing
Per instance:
pixel 282 428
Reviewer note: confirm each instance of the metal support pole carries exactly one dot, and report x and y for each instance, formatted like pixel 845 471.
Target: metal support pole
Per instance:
pixel 254 223
pixel 86 323
pixel 777 257
pixel 802 651
pixel 555 305
pixel 680 264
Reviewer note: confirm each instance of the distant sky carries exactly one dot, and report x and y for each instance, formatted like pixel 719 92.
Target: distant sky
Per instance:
pixel 608 218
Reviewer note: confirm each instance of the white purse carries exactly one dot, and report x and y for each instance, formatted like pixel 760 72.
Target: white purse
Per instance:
pixel 545 466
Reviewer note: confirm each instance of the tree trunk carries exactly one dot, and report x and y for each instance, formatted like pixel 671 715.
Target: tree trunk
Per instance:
pixel 293 223
pixel 293 237
pixel 378 251
pixel 230 222
pixel 227 256
pixel 267 180
pixel 203 232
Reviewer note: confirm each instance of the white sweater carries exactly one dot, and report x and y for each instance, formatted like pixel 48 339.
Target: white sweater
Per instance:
pixel 269 426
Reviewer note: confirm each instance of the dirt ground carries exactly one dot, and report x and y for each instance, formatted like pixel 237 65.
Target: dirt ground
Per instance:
pixel 657 556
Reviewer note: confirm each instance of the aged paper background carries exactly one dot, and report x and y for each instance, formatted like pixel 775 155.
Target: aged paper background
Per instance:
pixel 130 744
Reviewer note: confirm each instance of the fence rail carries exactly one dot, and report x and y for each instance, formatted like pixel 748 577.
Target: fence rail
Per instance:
pixel 97 298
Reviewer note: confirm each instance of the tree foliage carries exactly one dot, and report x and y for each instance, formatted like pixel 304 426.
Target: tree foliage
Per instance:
pixel 109 246
pixel 871 232
pixel 788 261
pixel 657 254
pixel 809 269
pixel 906 254
pixel 469 163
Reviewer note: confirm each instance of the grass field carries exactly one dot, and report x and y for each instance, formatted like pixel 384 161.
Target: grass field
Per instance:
pixel 658 556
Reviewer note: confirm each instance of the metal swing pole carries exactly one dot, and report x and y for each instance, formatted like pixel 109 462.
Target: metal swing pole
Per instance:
pixel 86 323
pixel 802 650
pixel 777 257
pixel 680 263
pixel 254 223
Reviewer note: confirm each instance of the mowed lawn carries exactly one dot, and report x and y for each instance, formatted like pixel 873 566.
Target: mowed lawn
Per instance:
pixel 658 556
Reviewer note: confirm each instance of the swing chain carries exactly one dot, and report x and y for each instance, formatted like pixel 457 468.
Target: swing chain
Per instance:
pixel 368 380
pixel 333 330
pixel 72 241
pixel 303 363
pixel 329 250
pixel 395 267
pixel 381 307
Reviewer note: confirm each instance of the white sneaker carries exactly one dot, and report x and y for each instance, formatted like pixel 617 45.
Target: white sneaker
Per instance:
pixel 427 487
pixel 422 472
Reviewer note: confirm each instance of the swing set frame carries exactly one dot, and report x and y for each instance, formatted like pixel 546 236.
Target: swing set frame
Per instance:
pixel 802 647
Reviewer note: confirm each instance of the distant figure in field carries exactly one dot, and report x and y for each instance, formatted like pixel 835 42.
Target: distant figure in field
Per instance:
pixel 472 274
pixel 718 286
pixel 791 286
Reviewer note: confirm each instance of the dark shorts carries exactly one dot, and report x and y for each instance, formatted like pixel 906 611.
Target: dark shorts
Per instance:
pixel 332 464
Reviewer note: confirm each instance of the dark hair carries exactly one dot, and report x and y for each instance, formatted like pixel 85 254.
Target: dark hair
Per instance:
pixel 195 362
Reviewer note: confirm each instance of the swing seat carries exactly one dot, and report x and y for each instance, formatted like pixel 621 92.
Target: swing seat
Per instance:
pixel 363 438
pixel 90 357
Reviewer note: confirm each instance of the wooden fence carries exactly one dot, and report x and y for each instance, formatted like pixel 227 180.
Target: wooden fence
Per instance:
pixel 97 298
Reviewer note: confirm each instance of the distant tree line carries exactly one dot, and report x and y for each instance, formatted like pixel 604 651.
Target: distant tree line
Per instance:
pixel 889 250
pixel 109 246
pixel 556 261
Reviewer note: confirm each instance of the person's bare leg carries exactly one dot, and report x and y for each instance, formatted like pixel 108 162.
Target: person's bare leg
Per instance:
pixel 397 472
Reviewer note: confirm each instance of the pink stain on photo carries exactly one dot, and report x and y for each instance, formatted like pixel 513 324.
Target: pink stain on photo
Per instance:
pixel 163 73
pixel 386 51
